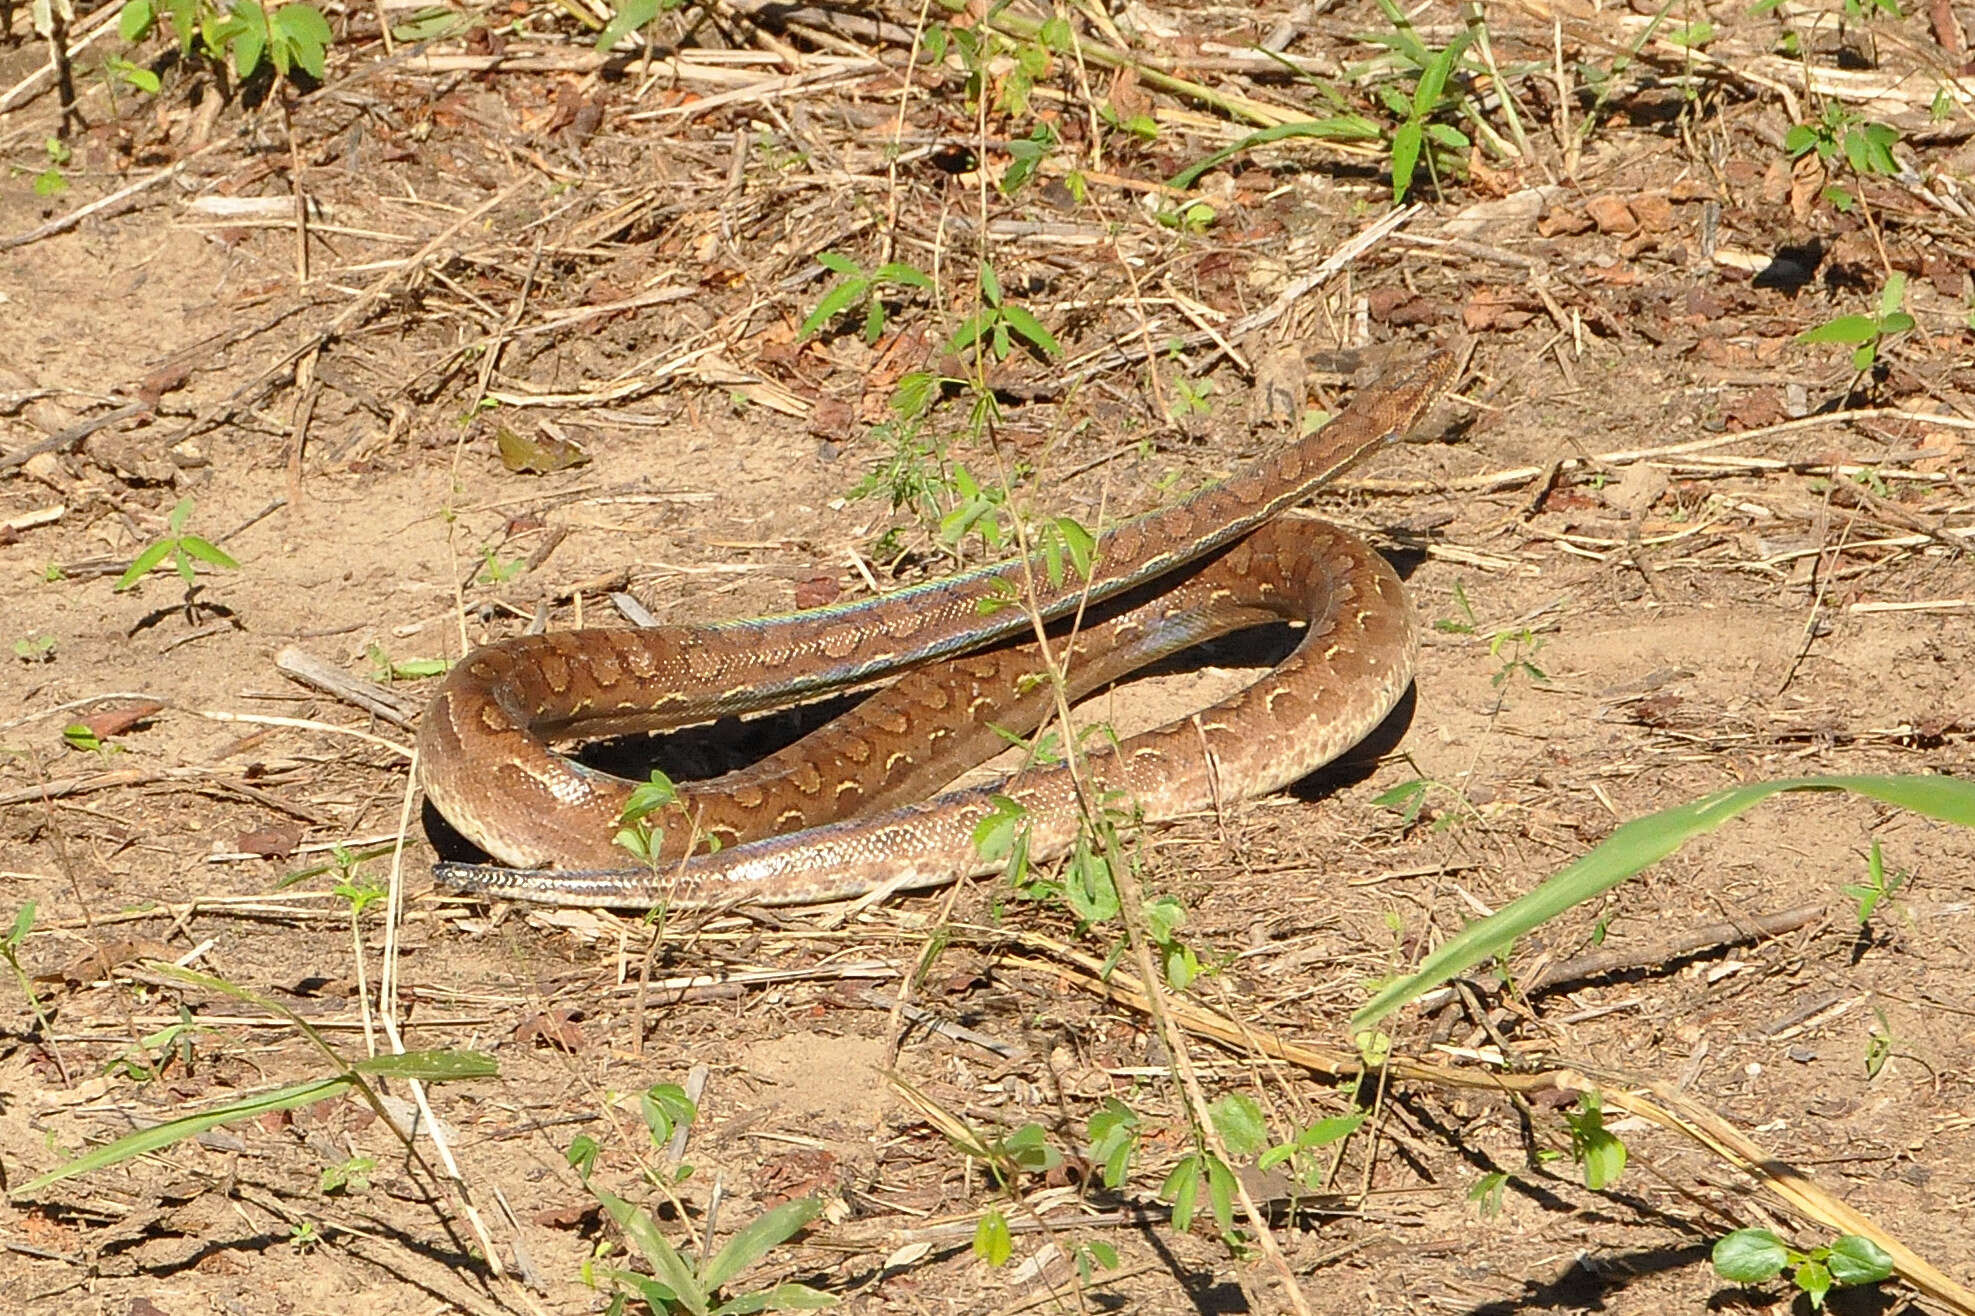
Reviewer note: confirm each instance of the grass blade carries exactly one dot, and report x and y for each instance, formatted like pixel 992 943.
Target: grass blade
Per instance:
pixel 160 1136
pixel 1637 845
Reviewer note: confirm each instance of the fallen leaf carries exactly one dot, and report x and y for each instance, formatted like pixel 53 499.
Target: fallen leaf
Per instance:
pixel 276 842
pixel 556 1028
pixel 537 456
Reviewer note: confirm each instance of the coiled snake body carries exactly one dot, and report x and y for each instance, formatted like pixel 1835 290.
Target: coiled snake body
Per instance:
pixel 842 812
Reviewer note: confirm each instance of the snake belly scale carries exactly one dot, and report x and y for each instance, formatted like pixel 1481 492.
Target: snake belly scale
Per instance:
pixel 843 812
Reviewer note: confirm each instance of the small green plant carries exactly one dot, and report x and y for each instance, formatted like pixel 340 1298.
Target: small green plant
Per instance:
pixel 998 322
pixel 383 667
pixel 1488 1192
pixel 666 1108
pixel 1191 399
pixel 1026 156
pixel 1418 137
pixel 295 36
pixel 1299 1151
pixel 349 1176
pixel 582 1155
pixel 1878 884
pixel 304 1236
pixel 1838 133
pixel 10 951
pixel 35 649
pixel 1867 332
pixel 352 1076
pixel 1756 1256
pixel 52 182
pixel 498 570
pixel 1521 646
pixel 639 831
pixel 856 286
pixel 82 736
pixel 1879 1043
pixel 1592 1145
pixel 675 1285
pixel 182 549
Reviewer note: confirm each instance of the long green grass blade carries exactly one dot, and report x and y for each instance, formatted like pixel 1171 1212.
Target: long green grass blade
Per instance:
pixel 758 1237
pixel 160 1136
pixel 1637 845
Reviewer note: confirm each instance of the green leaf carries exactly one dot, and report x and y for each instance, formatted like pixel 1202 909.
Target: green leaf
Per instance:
pixel 835 302
pixel 146 561
pixel 1814 1278
pixel 1220 1192
pixel 1895 322
pixel 1637 845
pixel 783 1297
pixel 23 924
pixel 307 31
pixel 970 330
pixel 1031 328
pixel 666 1263
pixel 247 47
pixel 1113 1139
pixel 909 275
pixel 915 393
pixel 1750 1256
pixel 990 286
pixel 160 1136
pixel 1858 1260
pixel 1433 79
pixel 992 1242
pixel 1239 1120
pixel 838 263
pixel 436 1066
pixel 1603 1155
pixel 1893 295
pixel 1800 138
pixel 1335 1128
pixel 1343 128
pixel 1405 156
pixel 1182 1189
pixel 758 1237
pixel 634 15
pixel 135 21
pixel 205 551
pixel 1028 1147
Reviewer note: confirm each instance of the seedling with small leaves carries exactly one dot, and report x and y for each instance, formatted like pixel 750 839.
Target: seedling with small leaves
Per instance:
pixel 676 1285
pixel 1838 133
pixel 1418 137
pixel 1592 1145
pixel 52 182
pixel 1756 1256
pixel 1878 884
pixel 640 832
pixel 1868 332
pixel 856 286
pixel 999 322
pixel 295 36
pixel 181 549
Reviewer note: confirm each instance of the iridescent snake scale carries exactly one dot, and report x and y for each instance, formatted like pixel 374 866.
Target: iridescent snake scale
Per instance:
pixel 843 812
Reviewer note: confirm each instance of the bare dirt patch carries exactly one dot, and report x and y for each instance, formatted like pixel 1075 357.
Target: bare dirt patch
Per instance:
pixel 1640 581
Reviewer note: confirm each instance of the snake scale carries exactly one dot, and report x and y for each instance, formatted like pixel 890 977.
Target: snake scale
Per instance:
pixel 844 811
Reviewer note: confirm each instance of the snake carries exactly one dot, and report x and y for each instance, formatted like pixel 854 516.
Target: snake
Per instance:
pixel 855 809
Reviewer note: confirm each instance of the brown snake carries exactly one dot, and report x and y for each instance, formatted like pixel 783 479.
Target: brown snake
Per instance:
pixel 841 813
